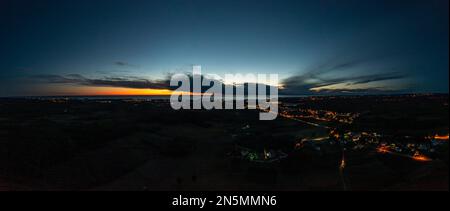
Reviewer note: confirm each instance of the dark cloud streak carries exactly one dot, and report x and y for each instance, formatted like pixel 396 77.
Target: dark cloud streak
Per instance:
pixel 328 73
pixel 125 64
pixel 124 82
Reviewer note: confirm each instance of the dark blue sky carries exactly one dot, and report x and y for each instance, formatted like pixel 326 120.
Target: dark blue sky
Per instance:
pixel 320 46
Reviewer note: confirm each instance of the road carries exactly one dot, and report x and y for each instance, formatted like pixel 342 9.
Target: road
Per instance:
pixel 306 122
pixel 342 164
pixel 298 120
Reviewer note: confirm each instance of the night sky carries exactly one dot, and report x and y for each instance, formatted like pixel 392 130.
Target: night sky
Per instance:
pixel 131 47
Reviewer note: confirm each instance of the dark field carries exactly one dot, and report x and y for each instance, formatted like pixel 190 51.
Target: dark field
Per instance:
pixel 93 144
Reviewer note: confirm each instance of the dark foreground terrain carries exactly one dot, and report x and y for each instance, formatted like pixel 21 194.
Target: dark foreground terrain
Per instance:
pixel 316 143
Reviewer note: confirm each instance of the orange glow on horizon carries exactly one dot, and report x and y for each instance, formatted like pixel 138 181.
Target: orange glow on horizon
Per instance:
pixel 123 91
pixel 65 90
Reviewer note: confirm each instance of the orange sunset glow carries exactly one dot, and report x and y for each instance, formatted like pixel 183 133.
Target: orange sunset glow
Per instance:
pixel 100 90
pixel 122 91
pixel 75 90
